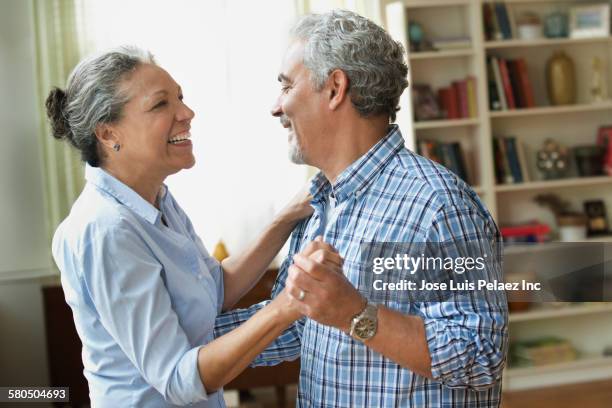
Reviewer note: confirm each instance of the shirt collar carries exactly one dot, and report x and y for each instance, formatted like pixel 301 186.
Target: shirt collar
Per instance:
pixel 358 176
pixel 124 194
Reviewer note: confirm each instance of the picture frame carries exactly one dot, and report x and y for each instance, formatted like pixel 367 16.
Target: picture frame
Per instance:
pixel 597 222
pixel 590 21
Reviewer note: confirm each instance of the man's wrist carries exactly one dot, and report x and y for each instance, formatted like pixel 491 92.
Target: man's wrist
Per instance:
pixel 355 311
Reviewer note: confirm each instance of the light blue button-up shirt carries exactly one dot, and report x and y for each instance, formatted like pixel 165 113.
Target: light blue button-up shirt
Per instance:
pixel 144 295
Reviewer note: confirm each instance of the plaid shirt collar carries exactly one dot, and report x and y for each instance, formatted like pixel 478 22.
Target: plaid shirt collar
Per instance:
pixel 361 173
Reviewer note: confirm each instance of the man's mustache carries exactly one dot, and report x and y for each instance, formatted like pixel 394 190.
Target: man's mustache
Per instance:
pixel 284 120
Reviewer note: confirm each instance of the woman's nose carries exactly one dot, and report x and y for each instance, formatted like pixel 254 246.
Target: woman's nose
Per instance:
pixel 185 113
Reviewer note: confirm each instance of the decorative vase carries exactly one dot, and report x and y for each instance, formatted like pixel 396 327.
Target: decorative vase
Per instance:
pixel 561 79
pixel 572 227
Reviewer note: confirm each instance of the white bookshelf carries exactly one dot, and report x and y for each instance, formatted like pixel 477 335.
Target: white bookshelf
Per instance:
pixel 436 124
pixel 512 203
pixel 468 52
pixel 544 42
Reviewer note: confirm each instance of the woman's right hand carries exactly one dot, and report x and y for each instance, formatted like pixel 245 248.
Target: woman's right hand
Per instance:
pixel 288 306
pixel 299 207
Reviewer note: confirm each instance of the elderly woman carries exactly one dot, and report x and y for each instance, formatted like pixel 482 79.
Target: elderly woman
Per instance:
pixel 143 290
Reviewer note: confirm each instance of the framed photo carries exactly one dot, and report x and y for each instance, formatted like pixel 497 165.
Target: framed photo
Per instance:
pixel 590 21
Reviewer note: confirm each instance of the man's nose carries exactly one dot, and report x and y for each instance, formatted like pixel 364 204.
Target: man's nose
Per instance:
pixel 276 110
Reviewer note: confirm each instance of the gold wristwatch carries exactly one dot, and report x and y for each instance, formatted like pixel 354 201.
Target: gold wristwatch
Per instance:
pixel 365 324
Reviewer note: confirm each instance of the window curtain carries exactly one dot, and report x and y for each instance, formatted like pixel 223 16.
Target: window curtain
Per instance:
pixel 58 49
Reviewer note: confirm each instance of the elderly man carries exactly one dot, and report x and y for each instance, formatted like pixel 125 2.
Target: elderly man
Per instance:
pixel 341 80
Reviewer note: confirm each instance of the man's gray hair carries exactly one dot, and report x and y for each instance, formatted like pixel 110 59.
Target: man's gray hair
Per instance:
pixel 372 60
pixel 93 96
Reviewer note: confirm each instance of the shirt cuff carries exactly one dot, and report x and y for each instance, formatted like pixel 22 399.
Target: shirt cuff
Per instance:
pixel 190 388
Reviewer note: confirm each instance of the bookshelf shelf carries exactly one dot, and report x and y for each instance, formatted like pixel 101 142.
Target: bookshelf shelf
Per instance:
pixel 551 110
pixel 445 123
pixel 544 42
pixel 554 184
pixel 560 312
pixel 586 368
pixel 415 56
pixel 435 3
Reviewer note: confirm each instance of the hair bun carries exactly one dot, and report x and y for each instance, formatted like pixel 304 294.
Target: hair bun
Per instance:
pixel 56 103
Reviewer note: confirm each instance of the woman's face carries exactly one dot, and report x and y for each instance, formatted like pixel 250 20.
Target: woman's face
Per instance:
pixel 154 129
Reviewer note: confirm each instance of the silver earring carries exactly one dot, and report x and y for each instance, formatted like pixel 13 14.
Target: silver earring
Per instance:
pixel 116 147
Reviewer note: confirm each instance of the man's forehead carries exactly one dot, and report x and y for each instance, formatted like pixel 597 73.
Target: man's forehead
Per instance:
pixel 293 61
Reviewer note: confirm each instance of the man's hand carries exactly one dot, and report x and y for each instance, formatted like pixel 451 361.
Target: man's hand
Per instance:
pixel 328 297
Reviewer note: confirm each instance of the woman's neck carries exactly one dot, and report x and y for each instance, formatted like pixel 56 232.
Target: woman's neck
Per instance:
pixel 145 185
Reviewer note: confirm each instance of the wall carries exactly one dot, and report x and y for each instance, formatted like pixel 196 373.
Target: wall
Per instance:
pixel 23 239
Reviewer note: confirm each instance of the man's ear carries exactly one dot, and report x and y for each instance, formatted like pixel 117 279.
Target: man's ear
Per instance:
pixel 106 135
pixel 338 83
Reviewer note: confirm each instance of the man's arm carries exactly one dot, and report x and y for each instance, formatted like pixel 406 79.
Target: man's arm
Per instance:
pixel 461 344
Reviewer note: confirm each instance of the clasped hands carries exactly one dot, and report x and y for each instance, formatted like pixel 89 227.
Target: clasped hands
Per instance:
pixel 317 288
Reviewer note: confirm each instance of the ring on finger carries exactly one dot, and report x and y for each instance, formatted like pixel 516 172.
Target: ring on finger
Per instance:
pixel 301 295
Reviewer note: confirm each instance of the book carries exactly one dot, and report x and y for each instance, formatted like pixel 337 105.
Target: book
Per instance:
pixel 458 161
pixel 507 177
pixel 462 98
pixel 515 83
pixel 448 101
pixel 525 83
pixel 471 96
pixel 448 154
pixel 489 24
pixel 513 158
pixel 505 77
pixel 499 83
pixel 522 157
pixel 494 103
pixel 498 162
pixel 504 21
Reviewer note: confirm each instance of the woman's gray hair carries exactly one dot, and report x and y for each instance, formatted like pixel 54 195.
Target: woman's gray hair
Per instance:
pixel 372 60
pixel 93 96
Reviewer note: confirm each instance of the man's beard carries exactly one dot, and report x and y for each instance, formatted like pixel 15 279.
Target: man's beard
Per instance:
pixel 295 152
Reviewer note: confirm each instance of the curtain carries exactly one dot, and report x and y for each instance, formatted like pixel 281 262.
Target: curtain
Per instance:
pixel 58 50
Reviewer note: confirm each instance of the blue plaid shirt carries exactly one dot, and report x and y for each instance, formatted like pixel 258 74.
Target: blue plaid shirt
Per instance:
pixel 394 195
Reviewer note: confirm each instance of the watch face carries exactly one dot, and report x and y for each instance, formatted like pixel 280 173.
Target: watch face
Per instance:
pixel 365 328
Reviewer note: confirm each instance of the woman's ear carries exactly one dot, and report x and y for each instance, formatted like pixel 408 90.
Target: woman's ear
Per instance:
pixel 338 83
pixel 107 136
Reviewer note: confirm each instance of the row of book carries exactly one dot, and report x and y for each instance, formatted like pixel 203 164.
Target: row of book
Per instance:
pixel 458 100
pixel 510 160
pixel 448 154
pixel 530 232
pixel 498 21
pixel 509 84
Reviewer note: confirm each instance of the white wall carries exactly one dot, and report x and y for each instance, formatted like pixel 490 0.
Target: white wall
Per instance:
pixel 23 239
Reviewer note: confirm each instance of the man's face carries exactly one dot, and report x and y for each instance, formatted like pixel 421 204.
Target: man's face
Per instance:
pixel 300 108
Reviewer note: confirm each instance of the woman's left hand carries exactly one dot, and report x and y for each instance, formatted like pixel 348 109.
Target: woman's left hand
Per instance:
pixel 299 207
